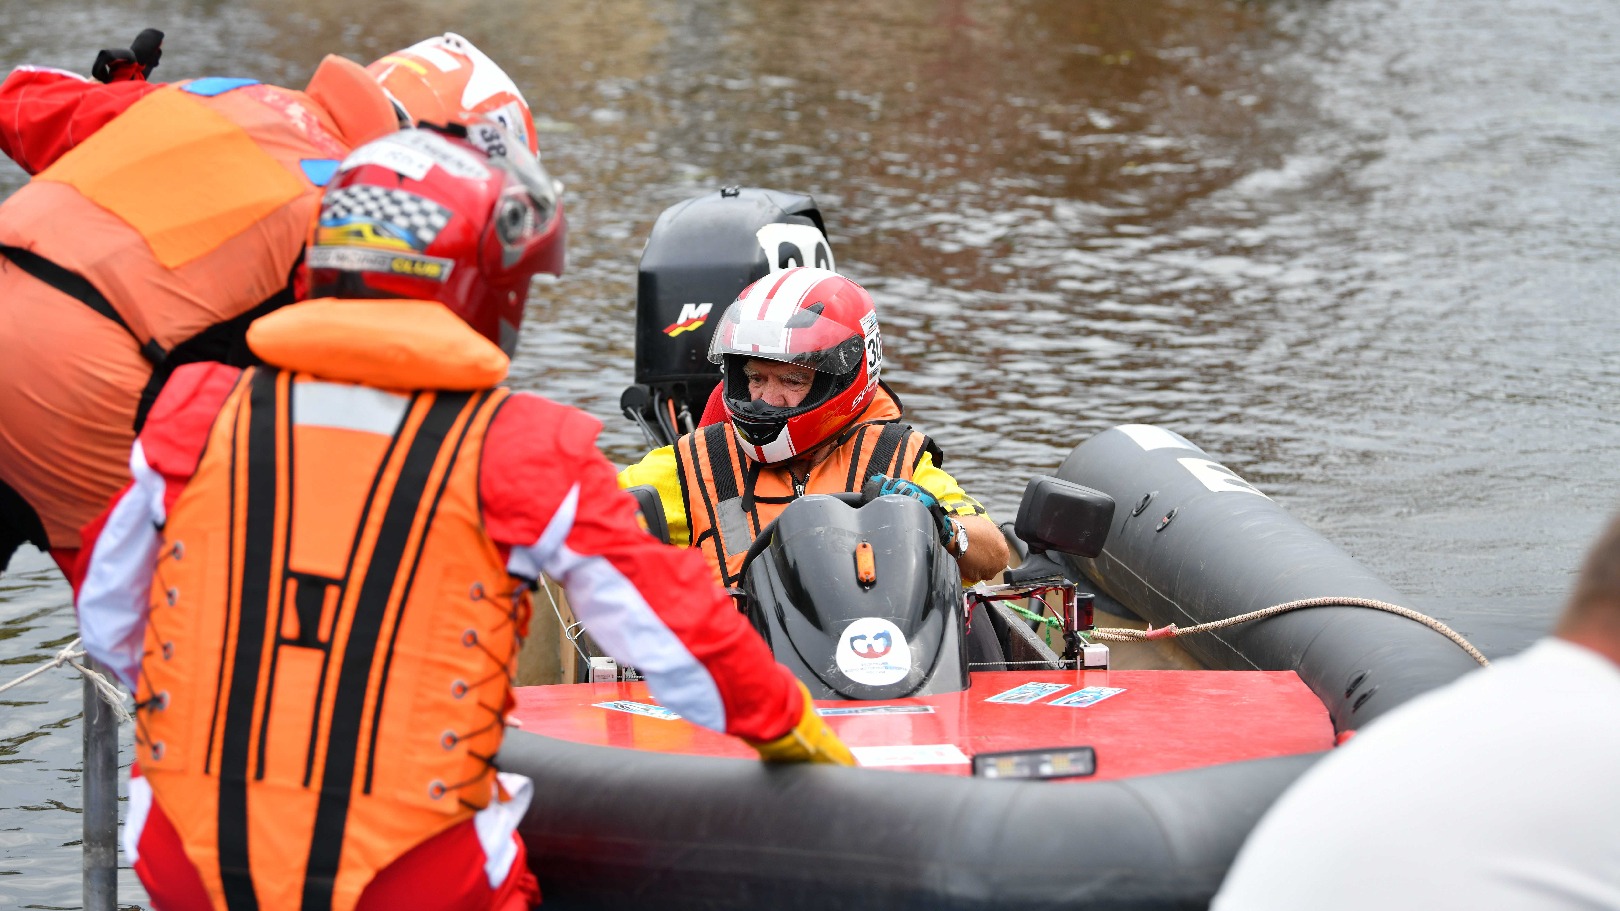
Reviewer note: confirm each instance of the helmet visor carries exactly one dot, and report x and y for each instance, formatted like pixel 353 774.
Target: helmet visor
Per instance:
pixel 799 336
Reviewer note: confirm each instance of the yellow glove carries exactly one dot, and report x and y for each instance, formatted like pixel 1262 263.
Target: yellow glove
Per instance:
pixel 809 741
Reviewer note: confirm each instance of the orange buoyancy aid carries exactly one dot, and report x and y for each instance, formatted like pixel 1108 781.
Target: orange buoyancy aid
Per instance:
pixel 332 633
pixel 730 497
pixel 184 214
pixel 188 209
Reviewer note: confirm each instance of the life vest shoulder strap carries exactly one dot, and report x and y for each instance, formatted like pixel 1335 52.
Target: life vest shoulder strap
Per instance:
pixel 79 288
pixel 711 471
pixel 895 453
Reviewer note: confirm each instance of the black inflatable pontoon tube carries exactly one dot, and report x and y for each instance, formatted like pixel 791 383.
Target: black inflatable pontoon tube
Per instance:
pixel 1193 543
pixel 625 829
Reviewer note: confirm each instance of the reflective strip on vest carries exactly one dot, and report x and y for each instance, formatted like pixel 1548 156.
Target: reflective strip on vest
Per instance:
pixel 348 407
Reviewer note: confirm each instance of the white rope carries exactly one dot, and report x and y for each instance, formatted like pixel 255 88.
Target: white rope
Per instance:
pixel 571 631
pixel 1120 634
pixel 70 655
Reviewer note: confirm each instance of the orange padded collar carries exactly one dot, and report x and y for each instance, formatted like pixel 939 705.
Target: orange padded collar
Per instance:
pixel 392 344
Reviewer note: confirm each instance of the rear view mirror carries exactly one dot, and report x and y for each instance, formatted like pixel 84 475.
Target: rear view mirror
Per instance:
pixel 1063 516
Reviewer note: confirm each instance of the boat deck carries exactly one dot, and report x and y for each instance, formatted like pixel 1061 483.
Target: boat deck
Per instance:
pixel 1156 721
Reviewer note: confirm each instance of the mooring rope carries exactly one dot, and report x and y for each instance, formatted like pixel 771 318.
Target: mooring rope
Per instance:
pixel 571 631
pixel 70 655
pixel 1122 634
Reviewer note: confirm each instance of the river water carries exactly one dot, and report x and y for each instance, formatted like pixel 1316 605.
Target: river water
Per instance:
pixel 1360 251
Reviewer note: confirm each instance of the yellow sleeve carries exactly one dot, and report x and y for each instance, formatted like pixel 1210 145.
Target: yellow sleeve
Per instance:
pixel 658 470
pixel 933 479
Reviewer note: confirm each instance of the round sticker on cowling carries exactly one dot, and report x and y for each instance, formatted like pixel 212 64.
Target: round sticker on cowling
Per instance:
pixel 874 652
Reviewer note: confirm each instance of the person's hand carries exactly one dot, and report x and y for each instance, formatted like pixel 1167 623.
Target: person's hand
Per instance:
pixel 136 62
pixel 809 741
pixel 951 532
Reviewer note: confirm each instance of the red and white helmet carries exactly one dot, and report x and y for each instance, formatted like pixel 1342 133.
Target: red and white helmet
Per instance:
pixel 465 217
pixel 811 317
pixel 443 80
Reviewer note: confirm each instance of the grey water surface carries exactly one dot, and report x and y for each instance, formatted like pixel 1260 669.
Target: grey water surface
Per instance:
pixel 1361 251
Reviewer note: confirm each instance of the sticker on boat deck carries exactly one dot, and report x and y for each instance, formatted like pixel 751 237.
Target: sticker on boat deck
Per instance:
pixel 1026 693
pixel 1090 695
pixel 910 754
pixel 639 708
pixel 876 710
pixel 873 651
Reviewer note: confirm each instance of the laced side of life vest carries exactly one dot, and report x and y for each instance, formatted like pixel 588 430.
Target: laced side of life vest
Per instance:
pixel 331 638
pixel 730 497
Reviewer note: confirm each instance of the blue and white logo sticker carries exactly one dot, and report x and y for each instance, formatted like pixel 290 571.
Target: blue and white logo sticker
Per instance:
pixel 874 652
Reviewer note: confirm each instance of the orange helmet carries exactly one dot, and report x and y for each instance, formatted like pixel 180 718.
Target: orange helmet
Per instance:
pixel 443 80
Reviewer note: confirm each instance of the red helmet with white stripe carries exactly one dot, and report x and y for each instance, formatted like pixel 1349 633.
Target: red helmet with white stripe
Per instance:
pixel 813 318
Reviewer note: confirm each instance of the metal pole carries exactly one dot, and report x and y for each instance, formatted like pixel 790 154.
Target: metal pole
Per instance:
pixel 100 801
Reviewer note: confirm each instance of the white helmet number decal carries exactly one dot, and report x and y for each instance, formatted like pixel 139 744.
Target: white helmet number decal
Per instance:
pixel 874 344
pixel 787 246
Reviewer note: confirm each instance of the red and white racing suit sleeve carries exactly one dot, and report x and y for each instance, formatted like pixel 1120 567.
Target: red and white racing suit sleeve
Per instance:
pixel 45 112
pixel 553 499
pixel 120 549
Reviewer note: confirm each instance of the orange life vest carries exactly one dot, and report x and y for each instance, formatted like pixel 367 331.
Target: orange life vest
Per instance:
pixel 331 633
pixel 730 497
pixel 177 222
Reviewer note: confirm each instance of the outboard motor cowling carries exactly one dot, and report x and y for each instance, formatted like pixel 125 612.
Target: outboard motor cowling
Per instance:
pixel 901 634
pixel 700 255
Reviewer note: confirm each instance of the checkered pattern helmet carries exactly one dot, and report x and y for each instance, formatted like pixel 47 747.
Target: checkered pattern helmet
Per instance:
pixel 465 216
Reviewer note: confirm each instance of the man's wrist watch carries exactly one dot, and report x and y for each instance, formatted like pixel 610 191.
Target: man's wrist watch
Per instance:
pixel 958 544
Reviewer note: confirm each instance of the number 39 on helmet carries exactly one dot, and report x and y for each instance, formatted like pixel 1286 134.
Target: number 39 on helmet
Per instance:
pixel 813 318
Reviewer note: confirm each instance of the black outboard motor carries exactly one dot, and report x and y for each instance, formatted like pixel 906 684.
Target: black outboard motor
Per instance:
pixel 701 253
pixel 861 602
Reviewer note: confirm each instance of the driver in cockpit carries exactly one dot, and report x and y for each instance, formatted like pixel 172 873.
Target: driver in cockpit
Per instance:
pixel 800 352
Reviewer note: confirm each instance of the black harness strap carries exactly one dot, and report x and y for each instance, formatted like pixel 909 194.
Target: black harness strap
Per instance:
pixel 705 440
pixel 370 612
pixel 854 480
pixel 230 575
pixel 254 601
pixel 715 438
pixel 79 288
pixel 360 530
pixel 410 582
pixel 883 451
